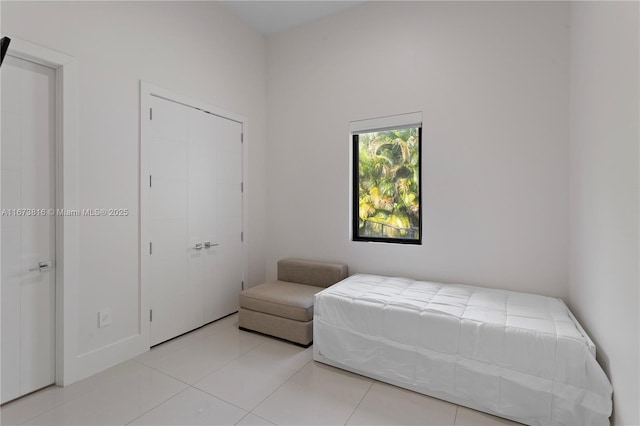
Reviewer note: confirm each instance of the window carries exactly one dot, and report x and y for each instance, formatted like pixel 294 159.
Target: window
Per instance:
pixel 386 182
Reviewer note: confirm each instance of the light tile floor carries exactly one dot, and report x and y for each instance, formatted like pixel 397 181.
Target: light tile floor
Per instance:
pixel 219 375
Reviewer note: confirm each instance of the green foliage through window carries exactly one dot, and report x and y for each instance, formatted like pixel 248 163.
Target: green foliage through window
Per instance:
pixel 386 187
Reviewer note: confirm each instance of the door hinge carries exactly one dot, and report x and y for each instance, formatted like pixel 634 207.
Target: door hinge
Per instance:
pixel 149 181
pixel 241 186
pixel 242 236
pixel 150 315
pixel 150 248
pixel 242 285
pixel 150 113
pixel 242 137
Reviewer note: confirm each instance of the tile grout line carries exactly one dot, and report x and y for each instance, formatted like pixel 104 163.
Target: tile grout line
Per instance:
pixel 278 388
pixel 59 405
pixel 189 385
pixel 135 360
pixel 247 412
pixel 215 370
pixel 251 414
pixel 220 399
pixel 225 365
pixel 193 334
pixel 97 388
pixel 235 405
pixel 43 413
pixel 140 363
pixel 261 401
pixel 62 403
pixel 361 399
pixel 241 419
pixel 156 406
pixel 162 372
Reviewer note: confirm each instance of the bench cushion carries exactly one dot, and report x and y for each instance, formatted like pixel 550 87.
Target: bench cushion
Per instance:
pixel 282 299
pixel 310 272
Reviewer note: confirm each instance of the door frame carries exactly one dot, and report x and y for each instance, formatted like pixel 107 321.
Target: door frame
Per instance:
pixel 147 92
pixel 66 175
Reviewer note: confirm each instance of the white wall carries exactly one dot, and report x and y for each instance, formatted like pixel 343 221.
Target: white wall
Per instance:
pixel 492 82
pixel 604 214
pixel 197 49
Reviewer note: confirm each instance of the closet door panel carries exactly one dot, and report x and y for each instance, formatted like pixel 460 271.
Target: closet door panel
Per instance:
pixel 228 214
pixel 196 214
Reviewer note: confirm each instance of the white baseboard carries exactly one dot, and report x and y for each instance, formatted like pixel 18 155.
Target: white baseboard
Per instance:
pixel 97 360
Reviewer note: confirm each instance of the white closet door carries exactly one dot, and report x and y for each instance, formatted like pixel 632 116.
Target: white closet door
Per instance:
pixel 196 218
pixel 223 222
pixel 200 138
pixel 28 239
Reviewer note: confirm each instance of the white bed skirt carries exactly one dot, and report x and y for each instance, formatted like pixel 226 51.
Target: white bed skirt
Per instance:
pixel 519 356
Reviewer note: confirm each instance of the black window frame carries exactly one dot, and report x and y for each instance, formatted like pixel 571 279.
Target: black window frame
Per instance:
pixel 355 185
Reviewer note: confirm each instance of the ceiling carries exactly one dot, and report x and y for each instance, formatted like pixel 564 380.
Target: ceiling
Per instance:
pixel 272 17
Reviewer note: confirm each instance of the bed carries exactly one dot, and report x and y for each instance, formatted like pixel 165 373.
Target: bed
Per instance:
pixel 519 356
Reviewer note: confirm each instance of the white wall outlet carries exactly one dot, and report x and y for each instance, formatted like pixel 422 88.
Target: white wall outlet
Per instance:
pixel 104 318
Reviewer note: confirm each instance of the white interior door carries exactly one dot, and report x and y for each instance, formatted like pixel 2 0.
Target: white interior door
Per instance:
pixel 170 296
pixel 223 221
pixel 28 228
pixel 196 206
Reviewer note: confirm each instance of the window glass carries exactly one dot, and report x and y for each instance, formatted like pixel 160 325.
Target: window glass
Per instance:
pixel 386 186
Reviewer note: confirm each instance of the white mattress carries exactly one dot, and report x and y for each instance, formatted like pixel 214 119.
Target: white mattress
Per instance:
pixel 516 355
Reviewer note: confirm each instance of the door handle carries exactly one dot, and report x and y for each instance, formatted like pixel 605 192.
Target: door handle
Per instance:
pixel 207 244
pixel 43 266
pixel 198 246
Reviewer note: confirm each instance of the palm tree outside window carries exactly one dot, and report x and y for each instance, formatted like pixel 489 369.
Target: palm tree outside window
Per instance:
pixel 386 185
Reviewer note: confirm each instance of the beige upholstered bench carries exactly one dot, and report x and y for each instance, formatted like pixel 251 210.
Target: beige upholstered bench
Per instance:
pixel 284 308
